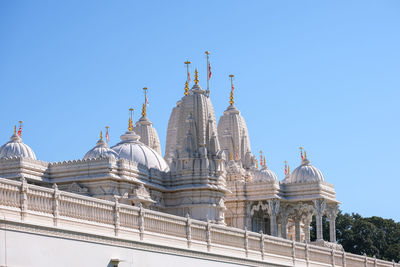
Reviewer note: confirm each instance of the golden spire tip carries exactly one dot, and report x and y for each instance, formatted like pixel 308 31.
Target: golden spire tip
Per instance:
pixel 130 125
pixel 186 88
pixel 101 135
pixel 196 77
pixel 15 129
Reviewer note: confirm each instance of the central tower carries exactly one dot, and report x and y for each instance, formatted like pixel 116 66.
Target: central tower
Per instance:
pixel 197 163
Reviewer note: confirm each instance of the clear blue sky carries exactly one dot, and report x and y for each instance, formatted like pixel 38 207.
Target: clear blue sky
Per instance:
pixel 320 74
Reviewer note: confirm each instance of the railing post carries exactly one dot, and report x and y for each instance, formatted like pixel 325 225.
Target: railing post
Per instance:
pixel 23 198
pixel 375 261
pixel 294 253
pixel 366 260
pixel 116 216
pixel 56 203
pixel 208 235
pixel 307 255
pixel 141 221
pixel 246 241
pixel 333 257
pixel 262 238
pixel 188 230
pixel 394 264
pixel 344 259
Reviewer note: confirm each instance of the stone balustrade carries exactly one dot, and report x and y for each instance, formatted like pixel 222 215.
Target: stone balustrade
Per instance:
pixel 21 202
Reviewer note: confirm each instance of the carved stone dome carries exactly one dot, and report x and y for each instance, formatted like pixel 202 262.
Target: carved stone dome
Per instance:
pixel 305 173
pixel 16 148
pixel 131 149
pixel 264 175
pixel 101 150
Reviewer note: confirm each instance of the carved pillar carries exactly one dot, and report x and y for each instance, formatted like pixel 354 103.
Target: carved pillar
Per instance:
pixel 319 211
pixel 248 215
pixel 273 208
pixel 332 214
pixel 188 230
pixel 23 198
pixel 116 216
pixel 283 222
pixel 307 222
pixel 297 228
pixel 56 202
pixel 141 221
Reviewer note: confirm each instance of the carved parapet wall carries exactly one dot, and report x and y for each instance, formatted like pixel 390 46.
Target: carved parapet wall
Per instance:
pixel 54 213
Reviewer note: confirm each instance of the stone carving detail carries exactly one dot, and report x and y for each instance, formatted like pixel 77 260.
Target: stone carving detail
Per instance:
pixel 76 188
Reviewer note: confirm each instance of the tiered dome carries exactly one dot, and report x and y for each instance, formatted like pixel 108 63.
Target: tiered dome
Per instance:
pixel 148 134
pixel 16 148
pixel 305 173
pixel 101 150
pixel 131 149
pixel 233 135
pixel 264 175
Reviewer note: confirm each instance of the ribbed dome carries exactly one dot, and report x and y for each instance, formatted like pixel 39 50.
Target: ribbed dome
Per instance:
pixel 101 150
pixel 305 173
pixel 16 148
pixel 264 175
pixel 131 149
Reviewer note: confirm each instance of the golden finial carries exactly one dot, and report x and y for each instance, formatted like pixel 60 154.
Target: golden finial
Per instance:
pixel 230 156
pixel 261 157
pixel 305 154
pixel 231 101
pixel 257 164
pixel 15 129
pixel 186 88
pixel 145 102
pixel 301 152
pixel 130 127
pixel 288 169
pixel 265 165
pixel 101 135
pixel 196 77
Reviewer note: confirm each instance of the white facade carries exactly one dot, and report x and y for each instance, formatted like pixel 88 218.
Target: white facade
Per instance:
pixel 206 201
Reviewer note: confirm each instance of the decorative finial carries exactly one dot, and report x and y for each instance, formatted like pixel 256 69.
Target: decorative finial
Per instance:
pixel 130 127
pixel 101 135
pixel 15 129
pixel 196 77
pixel 230 156
pixel 305 154
pixel 186 88
pixel 288 169
pixel 207 52
pixel 301 152
pixel 261 158
pixel 265 165
pixel 231 101
pixel 145 102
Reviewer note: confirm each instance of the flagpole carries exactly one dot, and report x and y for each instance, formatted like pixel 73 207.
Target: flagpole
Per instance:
pixel 208 73
pixel 187 62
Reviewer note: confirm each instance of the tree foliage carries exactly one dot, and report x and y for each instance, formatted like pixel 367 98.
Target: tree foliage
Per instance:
pixel 372 235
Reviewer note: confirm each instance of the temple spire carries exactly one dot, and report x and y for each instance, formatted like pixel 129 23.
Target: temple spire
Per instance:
pixel 130 126
pixel 196 77
pixel 231 101
pixel 101 135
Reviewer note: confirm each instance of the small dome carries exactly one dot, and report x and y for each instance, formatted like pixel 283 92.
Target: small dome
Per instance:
pixel 16 148
pixel 131 149
pixel 264 175
pixel 101 150
pixel 305 173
